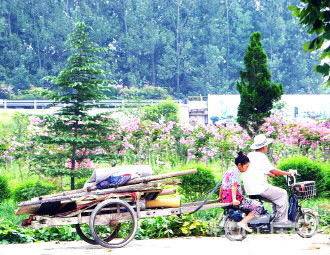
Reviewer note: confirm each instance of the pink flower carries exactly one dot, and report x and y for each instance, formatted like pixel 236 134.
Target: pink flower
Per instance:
pixel 84 163
pixel 314 145
pixel 122 152
pixel 35 120
pixel 187 141
pixel 127 145
pixel 219 136
pixel 131 125
pixel 111 137
pixel 169 126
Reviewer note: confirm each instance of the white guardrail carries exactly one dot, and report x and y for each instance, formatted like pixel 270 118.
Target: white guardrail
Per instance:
pixel 45 104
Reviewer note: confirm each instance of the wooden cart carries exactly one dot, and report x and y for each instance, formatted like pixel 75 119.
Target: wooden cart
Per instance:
pixel 107 217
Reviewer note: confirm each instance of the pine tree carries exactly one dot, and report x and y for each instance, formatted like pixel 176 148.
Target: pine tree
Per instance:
pixel 258 92
pixel 73 137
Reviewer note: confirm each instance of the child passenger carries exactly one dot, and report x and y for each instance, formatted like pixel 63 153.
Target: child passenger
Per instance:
pixel 231 191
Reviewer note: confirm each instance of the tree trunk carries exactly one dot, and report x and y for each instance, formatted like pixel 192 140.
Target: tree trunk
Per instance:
pixel 38 49
pixel 124 16
pixel 67 7
pixel 73 156
pixel 153 72
pixel 178 46
pixel 9 24
pixel 227 43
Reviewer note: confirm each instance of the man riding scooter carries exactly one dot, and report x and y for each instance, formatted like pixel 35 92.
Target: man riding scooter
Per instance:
pixel 255 180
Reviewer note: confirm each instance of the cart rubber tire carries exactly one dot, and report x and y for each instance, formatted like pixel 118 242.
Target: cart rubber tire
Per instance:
pixel 89 240
pixel 105 242
pixel 83 235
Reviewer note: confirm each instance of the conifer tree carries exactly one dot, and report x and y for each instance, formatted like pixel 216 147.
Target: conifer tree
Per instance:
pixel 257 91
pixel 73 137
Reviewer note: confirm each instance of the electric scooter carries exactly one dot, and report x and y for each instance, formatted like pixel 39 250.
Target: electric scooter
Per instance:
pixel 304 220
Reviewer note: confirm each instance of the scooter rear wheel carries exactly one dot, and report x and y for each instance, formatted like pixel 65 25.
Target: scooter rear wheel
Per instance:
pixel 307 224
pixel 232 231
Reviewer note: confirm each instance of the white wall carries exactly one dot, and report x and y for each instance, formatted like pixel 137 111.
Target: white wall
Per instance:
pixel 226 105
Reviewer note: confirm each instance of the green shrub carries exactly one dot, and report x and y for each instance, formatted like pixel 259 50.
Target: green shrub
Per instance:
pixel 166 110
pixel 30 189
pixel 7 212
pixel 172 226
pixel 79 183
pixel 146 92
pixel 196 185
pixel 4 189
pixel 11 233
pixel 34 93
pixel 63 233
pixel 309 170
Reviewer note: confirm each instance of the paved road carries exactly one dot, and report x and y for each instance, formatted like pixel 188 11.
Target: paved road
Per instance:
pixel 253 245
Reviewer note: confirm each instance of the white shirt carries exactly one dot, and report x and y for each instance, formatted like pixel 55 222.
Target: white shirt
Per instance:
pixel 255 177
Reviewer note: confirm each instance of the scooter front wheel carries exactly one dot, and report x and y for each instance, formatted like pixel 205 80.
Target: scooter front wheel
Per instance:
pixel 232 231
pixel 307 224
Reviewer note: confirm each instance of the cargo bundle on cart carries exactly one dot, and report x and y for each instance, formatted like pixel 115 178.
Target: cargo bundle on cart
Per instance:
pixel 106 211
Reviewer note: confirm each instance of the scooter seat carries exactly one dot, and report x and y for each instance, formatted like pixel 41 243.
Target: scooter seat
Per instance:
pixel 236 208
pixel 256 197
pixel 261 198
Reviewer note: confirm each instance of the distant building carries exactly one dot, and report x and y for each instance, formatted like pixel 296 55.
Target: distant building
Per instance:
pixel 204 110
pixel 294 106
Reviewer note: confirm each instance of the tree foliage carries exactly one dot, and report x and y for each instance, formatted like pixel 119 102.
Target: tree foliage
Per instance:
pixel 257 90
pixel 73 136
pixel 165 111
pixel 315 16
pixel 188 47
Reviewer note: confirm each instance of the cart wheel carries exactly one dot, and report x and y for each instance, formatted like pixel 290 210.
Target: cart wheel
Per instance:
pixel 87 237
pixel 113 223
pixel 84 233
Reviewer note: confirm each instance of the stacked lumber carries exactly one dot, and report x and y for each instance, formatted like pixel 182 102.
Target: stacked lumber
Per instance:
pixel 66 200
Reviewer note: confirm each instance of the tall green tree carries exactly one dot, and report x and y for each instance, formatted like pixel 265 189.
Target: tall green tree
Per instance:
pixel 189 47
pixel 257 91
pixel 73 137
pixel 315 16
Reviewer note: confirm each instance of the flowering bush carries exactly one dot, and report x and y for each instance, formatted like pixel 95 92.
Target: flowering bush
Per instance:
pixel 304 137
pixel 134 140
pixel 212 142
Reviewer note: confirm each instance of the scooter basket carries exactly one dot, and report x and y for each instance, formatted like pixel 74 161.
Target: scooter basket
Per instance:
pixel 305 189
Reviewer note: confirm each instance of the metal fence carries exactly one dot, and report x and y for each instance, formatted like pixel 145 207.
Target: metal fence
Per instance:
pixel 45 104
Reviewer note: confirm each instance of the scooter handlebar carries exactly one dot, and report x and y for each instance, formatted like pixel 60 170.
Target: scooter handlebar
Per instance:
pixel 291 179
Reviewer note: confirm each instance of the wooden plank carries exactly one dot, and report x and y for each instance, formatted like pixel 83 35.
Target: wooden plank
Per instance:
pixel 153 187
pixel 184 209
pixel 167 192
pixel 70 195
pixel 156 177
pixel 42 221
pixel 81 192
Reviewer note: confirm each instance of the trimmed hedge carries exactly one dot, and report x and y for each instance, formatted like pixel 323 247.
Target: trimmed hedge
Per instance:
pixel 31 189
pixel 168 110
pixel 309 170
pixel 197 185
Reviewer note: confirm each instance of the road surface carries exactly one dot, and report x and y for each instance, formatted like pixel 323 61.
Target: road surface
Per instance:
pixel 279 244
